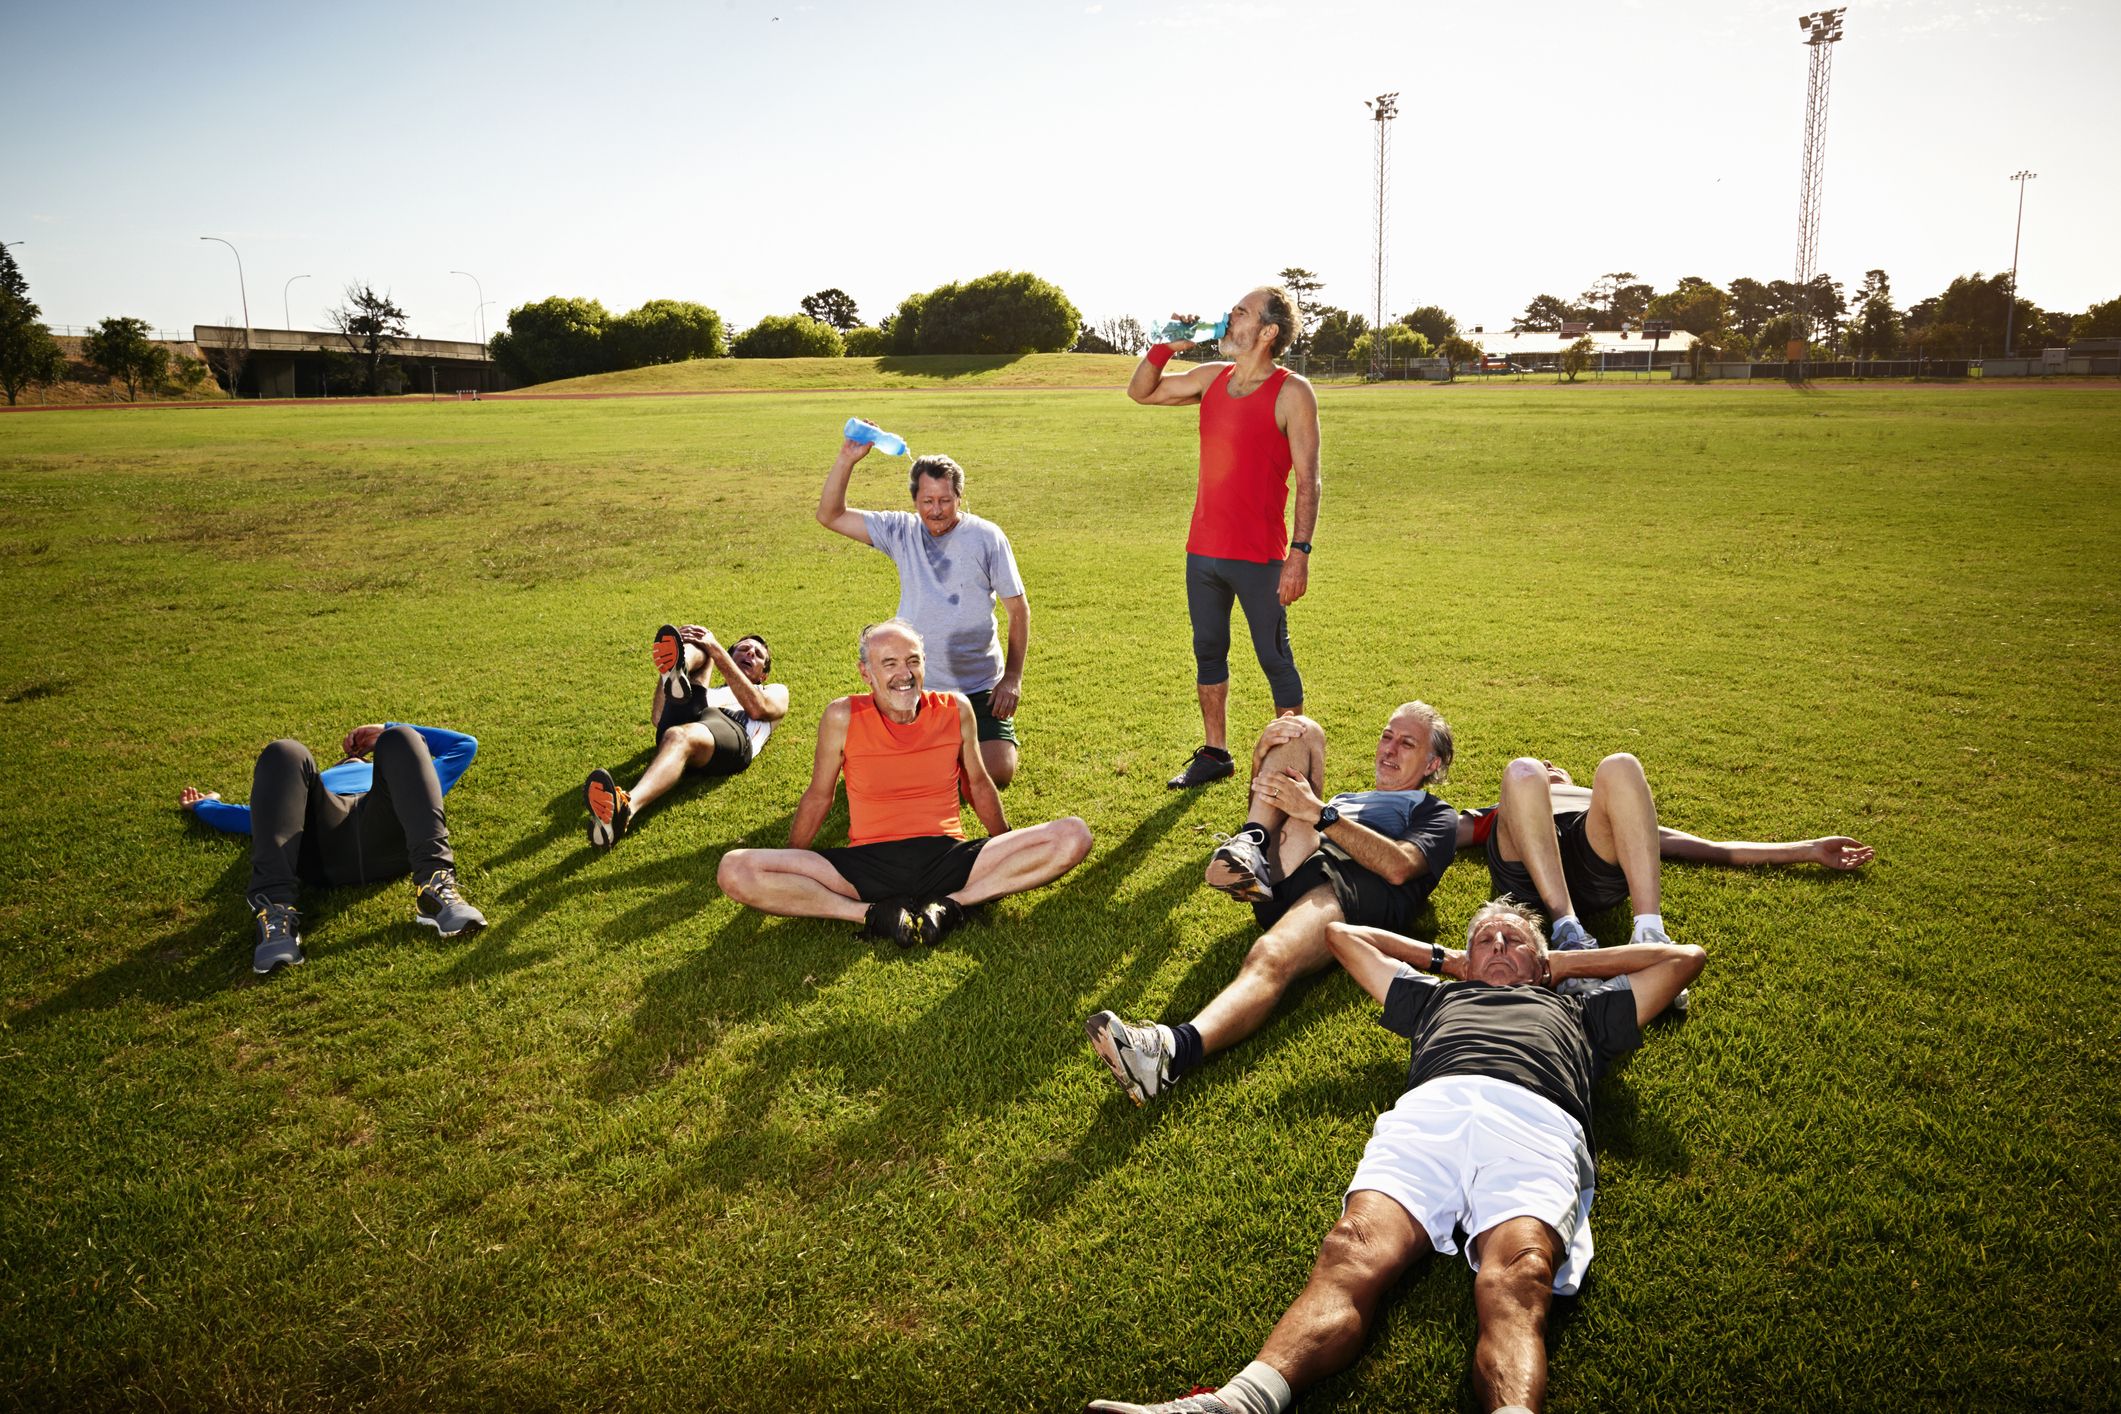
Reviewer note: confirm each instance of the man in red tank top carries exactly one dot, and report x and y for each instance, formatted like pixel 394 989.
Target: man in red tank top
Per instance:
pixel 1258 423
pixel 907 871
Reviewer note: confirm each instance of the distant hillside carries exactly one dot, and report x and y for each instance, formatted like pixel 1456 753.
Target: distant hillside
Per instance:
pixel 83 384
pixel 1057 370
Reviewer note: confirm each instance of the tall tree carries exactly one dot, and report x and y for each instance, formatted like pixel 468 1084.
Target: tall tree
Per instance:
pixel 28 353
pixel 1305 286
pixel 371 325
pixel 1617 298
pixel 1545 312
pixel 120 348
pixel 2101 321
pixel 1875 332
pixel 1125 334
pixel 1753 304
pixel 553 338
pixel 1432 322
pixel 835 307
pixel 1695 305
pixel 1337 332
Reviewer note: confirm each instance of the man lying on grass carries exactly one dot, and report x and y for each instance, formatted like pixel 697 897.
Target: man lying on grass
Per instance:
pixel 1492 1137
pixel 907 872
pixel 353 823
pixel 717 731
pixel 1303 863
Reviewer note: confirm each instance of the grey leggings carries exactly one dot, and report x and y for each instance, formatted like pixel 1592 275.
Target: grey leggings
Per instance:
pixel 1210 586
pixel 300 832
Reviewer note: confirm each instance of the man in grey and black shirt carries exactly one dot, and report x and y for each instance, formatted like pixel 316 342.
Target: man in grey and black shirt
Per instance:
pixel 1492 1137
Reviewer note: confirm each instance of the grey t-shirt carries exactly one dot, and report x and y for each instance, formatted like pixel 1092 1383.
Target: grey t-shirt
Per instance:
pixel 947 588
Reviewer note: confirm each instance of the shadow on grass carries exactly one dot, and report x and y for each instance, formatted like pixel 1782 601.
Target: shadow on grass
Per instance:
pixel 943 368
pixel 998 1033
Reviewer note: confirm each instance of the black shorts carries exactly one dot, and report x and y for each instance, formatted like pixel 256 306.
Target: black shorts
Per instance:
pixel 1366 899
pixel 988 726
pixel 1595 883
pixel 921 869
pixel 732 744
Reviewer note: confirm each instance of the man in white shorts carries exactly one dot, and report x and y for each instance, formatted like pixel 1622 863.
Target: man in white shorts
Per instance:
pixel 716 730
pixel 1493 1136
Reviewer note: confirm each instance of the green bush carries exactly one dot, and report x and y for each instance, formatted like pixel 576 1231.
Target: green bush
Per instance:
pixel 789 336
pixel 664 331
pixel 1007 312
pixel 865 341
pixel 554 338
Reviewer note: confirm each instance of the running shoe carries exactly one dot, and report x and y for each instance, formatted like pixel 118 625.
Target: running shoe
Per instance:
pixel 891 919
pixel 1571 936
pixel 669 655
pixel 279 939
pixel 1239 867
pixel 944 915
pixel 436 904
pixel 1203 766
pixel 1138 1056
pixel 1202 1400
pixel 610 812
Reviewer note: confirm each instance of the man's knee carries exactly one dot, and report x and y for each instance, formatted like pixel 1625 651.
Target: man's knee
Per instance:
pixel 1620 766
pixel 1069 840
pixel 738 874
pixel 1517 1265
pixel 1284 954
pixel 1357 1252
pixel 1523 772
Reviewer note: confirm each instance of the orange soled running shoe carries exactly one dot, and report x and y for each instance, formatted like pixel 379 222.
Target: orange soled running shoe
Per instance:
pixel 609 810
pixel 669 655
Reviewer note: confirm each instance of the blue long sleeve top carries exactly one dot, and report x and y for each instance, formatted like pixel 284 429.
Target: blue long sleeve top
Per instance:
pixel 452 752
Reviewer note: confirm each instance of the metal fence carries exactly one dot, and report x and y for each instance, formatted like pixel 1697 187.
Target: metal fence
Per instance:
pixel 160 336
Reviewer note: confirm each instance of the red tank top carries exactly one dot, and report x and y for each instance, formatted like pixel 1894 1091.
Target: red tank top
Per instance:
pixel 902 779
pixel 1244 474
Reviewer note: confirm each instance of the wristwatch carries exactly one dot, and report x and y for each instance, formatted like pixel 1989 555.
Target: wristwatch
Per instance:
pixel 1303 545
pixel 1435 959
pixel 1330 815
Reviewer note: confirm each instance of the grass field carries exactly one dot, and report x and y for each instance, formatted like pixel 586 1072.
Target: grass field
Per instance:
pixel 924 371
pixel 629 1147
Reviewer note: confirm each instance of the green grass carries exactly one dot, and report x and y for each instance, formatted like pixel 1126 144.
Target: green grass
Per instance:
pixel 781 375
pixel 632 1147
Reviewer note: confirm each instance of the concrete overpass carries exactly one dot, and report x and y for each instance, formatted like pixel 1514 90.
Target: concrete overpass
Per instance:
pixel 308 363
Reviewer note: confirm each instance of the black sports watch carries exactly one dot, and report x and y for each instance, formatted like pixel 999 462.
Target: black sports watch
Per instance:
pixel 1436 956
pixel 1303 545
pixel 1330 815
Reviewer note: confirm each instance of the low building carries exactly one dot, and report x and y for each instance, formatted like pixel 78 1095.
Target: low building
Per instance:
pixel 311 363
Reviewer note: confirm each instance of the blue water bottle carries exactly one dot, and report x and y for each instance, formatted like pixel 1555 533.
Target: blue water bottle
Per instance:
pixel 1191 331
pixel 889 443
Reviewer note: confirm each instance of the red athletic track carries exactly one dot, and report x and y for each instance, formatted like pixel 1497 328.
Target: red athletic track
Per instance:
pixel 534 397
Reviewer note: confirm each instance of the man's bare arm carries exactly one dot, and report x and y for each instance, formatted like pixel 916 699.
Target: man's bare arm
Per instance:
pixel 1395 861
pixel 762 702
pixel 1372 956
pixel 1156 386
pixel 832 512
pixel 824 774
pixel 1656 971
pixel 1297 406
pixel 1829 851
pixel 1009 690
pixel 986 800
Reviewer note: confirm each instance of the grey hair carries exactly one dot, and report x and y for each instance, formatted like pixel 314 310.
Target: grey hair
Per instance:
pixel 1508 907
pixel 1284 313
pixel 861 653
pixel 938 466
pixel 1439 739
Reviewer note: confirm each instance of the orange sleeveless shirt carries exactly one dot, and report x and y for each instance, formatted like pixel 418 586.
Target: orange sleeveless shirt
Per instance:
pixel 902 780
pixel 1244 474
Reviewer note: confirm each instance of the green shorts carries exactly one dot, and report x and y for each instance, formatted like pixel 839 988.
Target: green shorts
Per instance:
pixel 989 726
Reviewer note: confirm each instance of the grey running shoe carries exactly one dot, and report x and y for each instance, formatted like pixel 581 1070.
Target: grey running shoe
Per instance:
pixel 1239 868
pixel 891 919
pixel 610 812
pixel 1202 767
pixel 1137 1055
pixel 1652 935
pixel 437 904
pixel 1684 1000
pixel 669 655
pixel 279 939
pixel 1569 936
pixel 1200 1401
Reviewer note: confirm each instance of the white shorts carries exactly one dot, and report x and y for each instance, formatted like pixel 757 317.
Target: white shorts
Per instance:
pixel 1466 1152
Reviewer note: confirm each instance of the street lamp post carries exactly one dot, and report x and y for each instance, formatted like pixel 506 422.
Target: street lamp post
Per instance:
pixel 2010 315
pixel 242 288
pixel 480 312
pixel 287 319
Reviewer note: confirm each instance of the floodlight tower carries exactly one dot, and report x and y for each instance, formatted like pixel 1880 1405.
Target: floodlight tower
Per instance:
pixel 2011 314
pixel 1383 109
pixel 1822 29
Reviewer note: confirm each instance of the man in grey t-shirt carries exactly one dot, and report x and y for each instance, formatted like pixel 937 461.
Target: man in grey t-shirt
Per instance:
pixel 952 567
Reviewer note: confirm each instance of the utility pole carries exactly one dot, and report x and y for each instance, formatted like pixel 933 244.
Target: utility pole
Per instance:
pixel 2010 315
pixel 1383 109
pixel 1822 31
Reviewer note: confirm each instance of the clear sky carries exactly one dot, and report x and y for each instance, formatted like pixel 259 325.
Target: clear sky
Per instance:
pixel 1143 156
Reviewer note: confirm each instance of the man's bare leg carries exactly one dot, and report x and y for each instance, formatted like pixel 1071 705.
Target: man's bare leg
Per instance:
pixel 794 883
pixel 1215 713
pixel 681 748
pixel 1622 826
pixel 1367 1251
pixel 1524 832
pixel 1512 1293
pixel 1000 757
pixel 1287 744
pixel 1024 859
pixel 1294 947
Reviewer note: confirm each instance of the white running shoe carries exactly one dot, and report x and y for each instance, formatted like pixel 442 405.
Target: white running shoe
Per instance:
pixel 1139 1056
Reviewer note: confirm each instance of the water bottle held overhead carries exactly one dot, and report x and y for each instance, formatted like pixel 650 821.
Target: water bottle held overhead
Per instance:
pixel 1194 331
pixel 889 443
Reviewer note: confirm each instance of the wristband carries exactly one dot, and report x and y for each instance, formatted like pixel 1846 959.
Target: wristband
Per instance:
pixel 1160 354
pixel 1436 959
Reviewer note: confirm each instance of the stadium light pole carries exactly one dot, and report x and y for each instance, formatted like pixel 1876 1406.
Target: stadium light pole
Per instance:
pixel 480 313
pixel 1383 109
pixel 1822 31
pixel 2010 314
pixel 285 317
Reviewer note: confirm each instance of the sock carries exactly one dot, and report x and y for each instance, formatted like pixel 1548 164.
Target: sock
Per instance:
pixel 1643 923
pixel 1257 1389
pixel 1256 830
pixel 1217 752
pixel 1182 1045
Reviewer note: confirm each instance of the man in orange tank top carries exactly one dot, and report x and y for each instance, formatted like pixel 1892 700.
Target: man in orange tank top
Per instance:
pixel 1258 424
pixel 907 871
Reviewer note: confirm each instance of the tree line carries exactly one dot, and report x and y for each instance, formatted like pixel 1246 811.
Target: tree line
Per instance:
pixel 1006 312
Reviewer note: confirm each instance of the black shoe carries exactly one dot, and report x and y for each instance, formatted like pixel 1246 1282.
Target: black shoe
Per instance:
pixel 279 939
pixel 944 915
pixel 892 919
pixel 610 811
pixel 1205 765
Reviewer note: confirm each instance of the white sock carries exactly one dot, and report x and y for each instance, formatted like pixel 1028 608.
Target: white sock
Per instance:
pixel 1257 1389
pixel 1644 922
